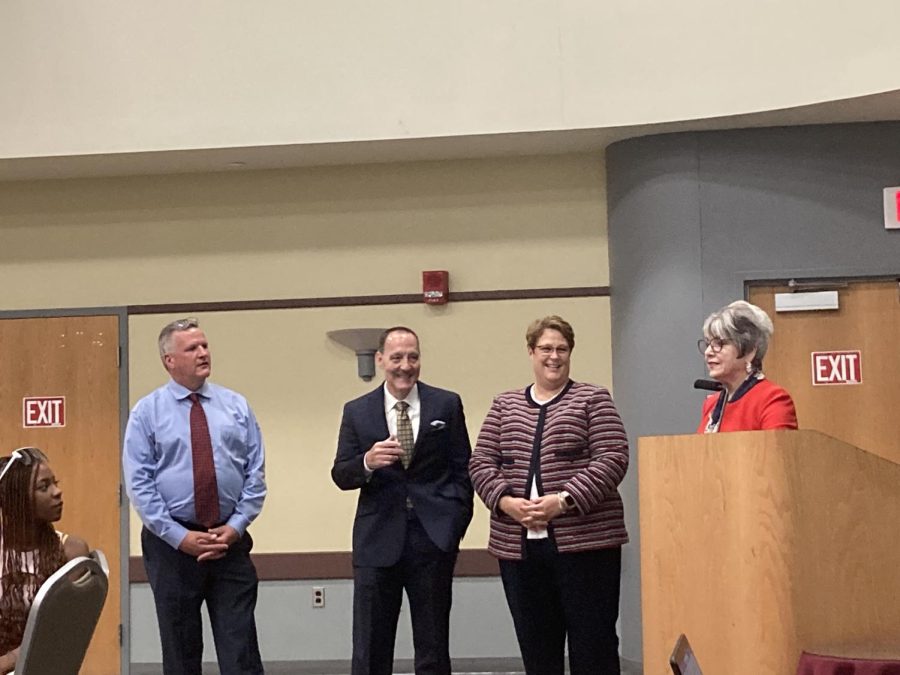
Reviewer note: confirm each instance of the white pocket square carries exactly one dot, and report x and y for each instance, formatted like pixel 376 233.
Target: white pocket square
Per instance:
pixel 438 424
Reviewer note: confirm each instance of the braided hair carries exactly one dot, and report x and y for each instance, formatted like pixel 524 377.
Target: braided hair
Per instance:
pixel 30 551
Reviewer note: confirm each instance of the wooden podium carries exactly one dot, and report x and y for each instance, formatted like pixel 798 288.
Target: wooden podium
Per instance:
pixel 758 545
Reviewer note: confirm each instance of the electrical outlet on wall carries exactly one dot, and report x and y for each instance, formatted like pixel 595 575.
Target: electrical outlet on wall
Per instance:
pixel 318 597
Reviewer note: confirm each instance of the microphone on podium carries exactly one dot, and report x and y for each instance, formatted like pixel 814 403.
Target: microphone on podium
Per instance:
pixel 708 385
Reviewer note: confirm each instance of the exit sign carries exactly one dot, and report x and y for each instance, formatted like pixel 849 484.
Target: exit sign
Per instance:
pixel 43 411
pixel 892 208
pixel 837 367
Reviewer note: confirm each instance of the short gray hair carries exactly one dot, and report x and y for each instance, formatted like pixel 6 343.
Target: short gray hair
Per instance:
pixel 746 326
pixel 165 335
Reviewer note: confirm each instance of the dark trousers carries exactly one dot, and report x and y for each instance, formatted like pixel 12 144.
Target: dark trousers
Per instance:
pixel 180 586
pixel 426 572
pixel 553 596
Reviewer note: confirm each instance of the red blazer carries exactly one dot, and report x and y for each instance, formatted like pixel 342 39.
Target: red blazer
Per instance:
pixel 764 406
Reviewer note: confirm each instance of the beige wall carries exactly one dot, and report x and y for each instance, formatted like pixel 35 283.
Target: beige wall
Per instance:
pixel 494 224
pixel 97 76
pixel 297 381
pixel 534 222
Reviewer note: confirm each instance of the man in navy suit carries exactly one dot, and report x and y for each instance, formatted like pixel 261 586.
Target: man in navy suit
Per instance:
pixel 405 448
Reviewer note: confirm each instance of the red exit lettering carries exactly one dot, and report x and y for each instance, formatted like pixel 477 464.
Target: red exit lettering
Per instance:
pixel 837 367
pixel 44 411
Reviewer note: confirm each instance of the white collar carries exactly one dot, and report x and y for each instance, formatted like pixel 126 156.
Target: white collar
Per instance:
pixel 412 398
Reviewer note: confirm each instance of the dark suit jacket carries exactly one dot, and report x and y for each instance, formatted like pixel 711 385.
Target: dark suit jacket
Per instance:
pixel 437 480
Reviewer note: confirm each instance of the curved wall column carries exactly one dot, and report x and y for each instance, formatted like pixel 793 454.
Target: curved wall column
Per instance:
pixel 694 216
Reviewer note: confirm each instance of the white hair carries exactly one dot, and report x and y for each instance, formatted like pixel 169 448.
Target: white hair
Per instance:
pixel 746 326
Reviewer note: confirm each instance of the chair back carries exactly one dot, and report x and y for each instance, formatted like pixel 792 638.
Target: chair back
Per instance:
pixel 63 617
pixel 100 557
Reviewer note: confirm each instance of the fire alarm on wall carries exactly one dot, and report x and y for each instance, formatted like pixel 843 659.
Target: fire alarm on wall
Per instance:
pixel 436 287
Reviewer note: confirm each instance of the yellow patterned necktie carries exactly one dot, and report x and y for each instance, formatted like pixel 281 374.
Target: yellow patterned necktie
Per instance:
pixel 404 432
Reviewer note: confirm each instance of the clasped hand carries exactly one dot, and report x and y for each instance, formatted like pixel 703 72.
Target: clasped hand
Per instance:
pixel 533 514
pixel 209 545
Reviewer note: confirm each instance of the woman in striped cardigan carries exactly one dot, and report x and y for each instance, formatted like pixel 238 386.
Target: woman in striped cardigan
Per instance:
pixel 547 464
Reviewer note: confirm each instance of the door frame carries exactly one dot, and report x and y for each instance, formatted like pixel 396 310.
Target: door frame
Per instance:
pixel 121 313
pixel 807 277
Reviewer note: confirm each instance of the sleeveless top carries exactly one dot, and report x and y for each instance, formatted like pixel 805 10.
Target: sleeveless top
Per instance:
pixel 13 618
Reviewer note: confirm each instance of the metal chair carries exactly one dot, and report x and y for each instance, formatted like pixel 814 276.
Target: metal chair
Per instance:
pixel 63 617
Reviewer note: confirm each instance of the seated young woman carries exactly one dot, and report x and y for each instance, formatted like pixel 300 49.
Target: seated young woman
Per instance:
pixel 31 549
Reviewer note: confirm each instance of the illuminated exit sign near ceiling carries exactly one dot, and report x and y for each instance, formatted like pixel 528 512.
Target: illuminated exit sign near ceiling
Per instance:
pixel 892 208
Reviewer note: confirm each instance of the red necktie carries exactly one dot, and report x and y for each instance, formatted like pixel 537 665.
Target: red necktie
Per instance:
pixel 206 490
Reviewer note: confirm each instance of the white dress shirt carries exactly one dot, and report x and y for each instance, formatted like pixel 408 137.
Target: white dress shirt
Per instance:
pixel 414 411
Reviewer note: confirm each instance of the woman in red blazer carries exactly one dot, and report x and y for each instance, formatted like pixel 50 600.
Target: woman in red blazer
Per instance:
pixel 735 340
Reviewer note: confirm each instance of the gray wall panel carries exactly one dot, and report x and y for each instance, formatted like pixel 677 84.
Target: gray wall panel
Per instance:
pixel 795 202
pixel 655 300
pixel 291 630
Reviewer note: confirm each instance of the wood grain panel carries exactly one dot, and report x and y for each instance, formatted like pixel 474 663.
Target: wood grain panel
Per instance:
pixel 75 357
pixel 367 300
pixel 758 545
pixel 868 320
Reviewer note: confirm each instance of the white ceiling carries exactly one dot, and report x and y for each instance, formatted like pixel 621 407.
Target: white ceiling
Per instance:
pixel 877 107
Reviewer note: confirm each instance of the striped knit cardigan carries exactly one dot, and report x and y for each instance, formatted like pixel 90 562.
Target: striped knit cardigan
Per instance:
pixel 581 447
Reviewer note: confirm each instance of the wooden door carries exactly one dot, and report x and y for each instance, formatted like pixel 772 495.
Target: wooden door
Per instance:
pixel 76 357
pixel 868 320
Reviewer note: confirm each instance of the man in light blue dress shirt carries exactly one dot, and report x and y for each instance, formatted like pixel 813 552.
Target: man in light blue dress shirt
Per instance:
pixel 189 563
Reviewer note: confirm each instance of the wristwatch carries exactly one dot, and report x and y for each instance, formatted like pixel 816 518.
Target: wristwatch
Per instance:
pixel 568 500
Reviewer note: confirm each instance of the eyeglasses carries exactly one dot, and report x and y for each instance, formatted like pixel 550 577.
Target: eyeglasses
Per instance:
pixel 716 344
pixel 27 456
pixel 547 350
